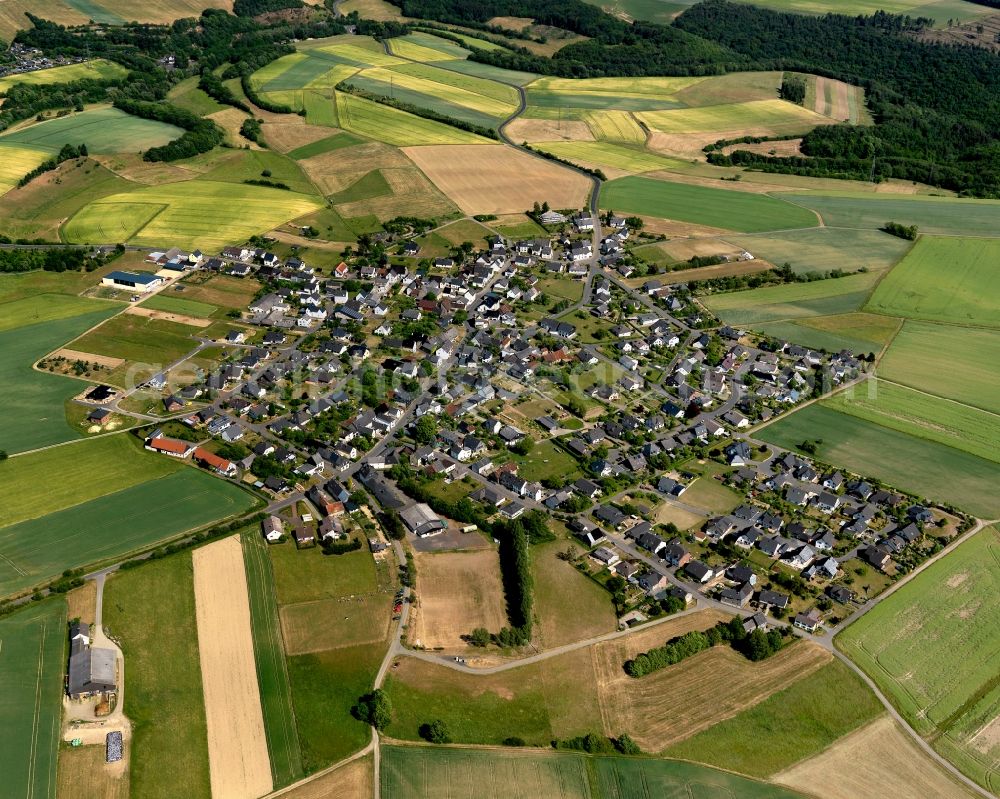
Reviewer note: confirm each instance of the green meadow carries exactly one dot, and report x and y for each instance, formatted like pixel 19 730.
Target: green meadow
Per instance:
pixel 944 683
pixel 793 300
pixel 952 280
pixel 824 249
pixel 729 210
pixel 32 652
pixel 114 525
pixel 926 468
pixel 960 363
pixel 103 130
pixel 163 690
pixel 922 416
pixel 32 405
pixel 933 215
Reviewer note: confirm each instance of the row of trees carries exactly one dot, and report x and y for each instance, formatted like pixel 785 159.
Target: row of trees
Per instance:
pixel 67 153
pixel 55 260
pixel 201 135
pixel 757 645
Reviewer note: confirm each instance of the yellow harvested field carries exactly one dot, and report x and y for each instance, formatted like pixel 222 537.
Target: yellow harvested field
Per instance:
pixel 84 774
pixel 16 162
pixel 378 10
pixel 616 87
pixel 230 120
pixel 239 763
pixel 531 130
pixel 876 761
pixel 629 159
pixel 374 57
pixel 284 137
pixel 81 603
pixel 406 48
pixel 335 171
pixel 412 195
pixel 89 357
pixel 679 701
pixel 326 624
pixel 456 593
pixel 352 781
pixel 618 126
pixel 332 77
pixel 166 316
pixel 776 116
pixel 499 180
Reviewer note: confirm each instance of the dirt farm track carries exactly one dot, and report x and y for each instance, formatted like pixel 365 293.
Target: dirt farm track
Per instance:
pixel 237 747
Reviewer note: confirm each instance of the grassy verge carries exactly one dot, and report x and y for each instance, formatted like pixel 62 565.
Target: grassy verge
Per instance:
pixel 150 611
pixel 272 672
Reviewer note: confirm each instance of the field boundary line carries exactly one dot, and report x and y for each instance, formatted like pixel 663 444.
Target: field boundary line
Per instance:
pixel 13 565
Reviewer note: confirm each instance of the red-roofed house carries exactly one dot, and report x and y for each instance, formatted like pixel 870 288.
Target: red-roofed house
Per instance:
pixel 214 462
pixel 170 446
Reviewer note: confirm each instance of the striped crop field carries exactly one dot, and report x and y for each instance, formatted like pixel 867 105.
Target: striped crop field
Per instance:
pixel 103 130
pixel 16 162
pixel 389 125
pixel 196 213
pixel 425 47
pixel 616 126
pixel 98 69
pixel 774 116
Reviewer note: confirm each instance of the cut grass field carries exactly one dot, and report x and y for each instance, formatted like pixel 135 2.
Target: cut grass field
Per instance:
pixel 959 363
pixel 456 593
pixel 409 772
pixel 85 774
pixel 420 46
pixel 163 685
pixel 188 96
pixel 113 525
pixel 327 624
pixel 790 725
pixel 307 575
pixel 272 672
pixel 180 305
pixel 32 648
pixel 252 164
pixel 701 205
pixel 911 463
pixel 858 332
pixel 223 291
pixel 922 416
pixel 32 408
pixel 48 307
pixel 103 130
pixel 944 681
pixel 139 339
pixel 951 280
pixel 389 125
pixel 933 215
pixel 569 606
pixel 197 213
pixel 615 126
pixel 325 685
pixel 877 760
pixel 823 249
pixel 498 179
pixel 835 296
pixel 775 117
pixel 545 458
